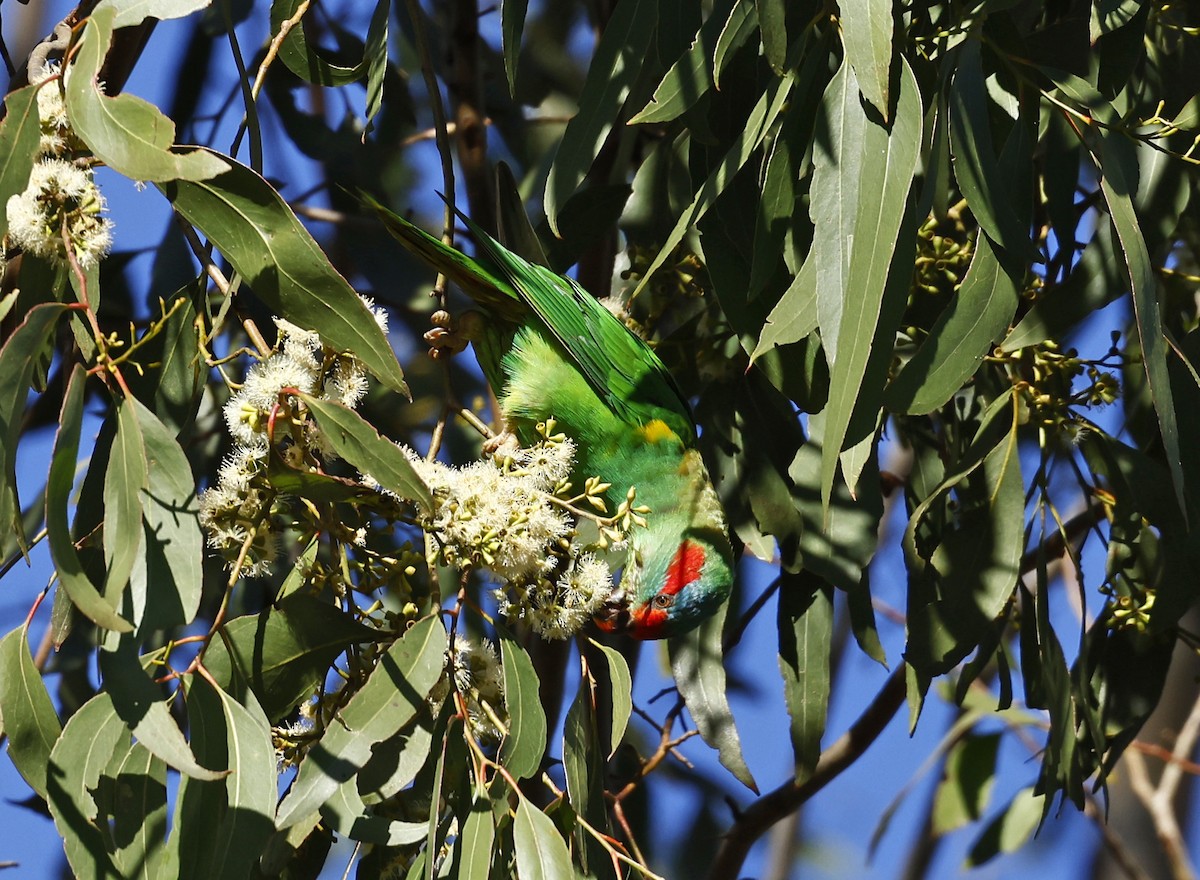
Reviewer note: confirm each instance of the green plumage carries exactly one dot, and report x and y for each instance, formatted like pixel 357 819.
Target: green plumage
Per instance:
pixel 551 350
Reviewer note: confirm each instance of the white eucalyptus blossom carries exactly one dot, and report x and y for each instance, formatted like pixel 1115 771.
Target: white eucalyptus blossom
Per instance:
pixel 60 195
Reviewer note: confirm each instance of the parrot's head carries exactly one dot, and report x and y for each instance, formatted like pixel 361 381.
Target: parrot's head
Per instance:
pixel 670 584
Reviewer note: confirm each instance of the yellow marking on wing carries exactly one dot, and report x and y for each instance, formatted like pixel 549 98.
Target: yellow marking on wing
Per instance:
pixel 656 431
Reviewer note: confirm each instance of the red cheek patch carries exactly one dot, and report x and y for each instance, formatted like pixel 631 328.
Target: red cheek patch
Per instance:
pixel 684 568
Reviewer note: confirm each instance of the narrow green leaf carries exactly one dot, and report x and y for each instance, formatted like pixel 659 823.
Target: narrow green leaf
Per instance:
pixel 166 580
pixel 523 746
pixel 772 20
pixel 304 60
pixel 541 853
pixel 618 61
pixel 794 316
pixel 805 621
pixel 70 571
pixel 393 694
pixel 140 704
pixel 396 761
pixel 283 653
pixel 129 134
pixel 583 769
pixel 861 179
pixel 139 811
pixel 355 440
pixel 375 55
pixel 962 795
pixel 867 34
pixel 974 158
pixel 621 696
pixel 476 841
pixel 1010 830
pixel 297 578
pixel 691 74
pixel 346 814
pixel 19 360
pixel 124 481
pixel 30 722
pixel 89 740
pixel 1118 191
pixel 739 27
pixel 247 221
pixel 761 118
pixel 963 334
pixel 512 24
pixel 699 672
pixel 20 132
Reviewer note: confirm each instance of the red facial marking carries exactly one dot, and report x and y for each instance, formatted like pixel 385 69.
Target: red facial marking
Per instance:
pixel 684 568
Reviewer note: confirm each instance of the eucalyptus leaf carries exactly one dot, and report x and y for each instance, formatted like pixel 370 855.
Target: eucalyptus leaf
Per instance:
pixel 867 35
pixel 805 623
pixel 124 481
pixel 20 132
pixel 30 722
pixel 523 745
pixel 541 852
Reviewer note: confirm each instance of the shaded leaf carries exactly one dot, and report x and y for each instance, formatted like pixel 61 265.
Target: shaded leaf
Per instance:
pixel 30 722
pixel 476 841
pixel 512 24
pixel 71 574
pixel 284 653
pixel 739 27
pixel 1010 830
pixel 139 703
pixel 962 795
pixel 521 751
pixel 139 811
pixel 20 132
pixel 772 27
pixel 699 672
pixel 355 440
pixel 302 58
pixel 393 694
pixel 124 480
pixel 805 623
pixel 960 338
pixel 247 221
pixel 621 682
pixel 691 74
pixel 867 34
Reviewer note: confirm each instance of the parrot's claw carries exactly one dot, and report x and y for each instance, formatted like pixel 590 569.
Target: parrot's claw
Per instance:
pixel 449 337
pixel 500 445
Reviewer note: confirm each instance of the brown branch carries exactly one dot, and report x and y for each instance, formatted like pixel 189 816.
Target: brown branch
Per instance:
pixel 758 818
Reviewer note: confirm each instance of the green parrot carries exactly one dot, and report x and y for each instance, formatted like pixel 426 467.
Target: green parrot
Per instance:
pixel 550 350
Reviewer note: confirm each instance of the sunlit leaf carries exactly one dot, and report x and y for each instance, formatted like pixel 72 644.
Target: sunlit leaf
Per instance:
pixel 247 221
pixel 699 671
pixel 691 74
pixel 301 57
pixel 20 131
pixel 124 481
pixel 129 134
pixel 139 813
pixel 131 12
pixel 30 722
pixel 1010 830
pixel 962 796
pixel 621 693
pixel 541 852
pixel 867 35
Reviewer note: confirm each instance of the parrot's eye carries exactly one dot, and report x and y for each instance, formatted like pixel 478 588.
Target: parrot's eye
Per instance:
pixel 663 601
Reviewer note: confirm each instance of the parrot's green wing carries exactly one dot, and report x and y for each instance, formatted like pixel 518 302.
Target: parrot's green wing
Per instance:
pixel 622 369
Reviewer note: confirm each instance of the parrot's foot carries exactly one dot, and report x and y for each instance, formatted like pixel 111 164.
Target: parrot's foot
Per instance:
pixel 501 445
pixel 449 337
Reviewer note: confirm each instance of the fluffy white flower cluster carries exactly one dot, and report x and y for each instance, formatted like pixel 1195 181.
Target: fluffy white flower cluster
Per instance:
pixel 240 506
pixel 480 679
pixel 61 199
pixel 501 514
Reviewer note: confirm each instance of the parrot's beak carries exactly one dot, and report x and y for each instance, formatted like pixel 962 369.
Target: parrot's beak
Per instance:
pixel 613 614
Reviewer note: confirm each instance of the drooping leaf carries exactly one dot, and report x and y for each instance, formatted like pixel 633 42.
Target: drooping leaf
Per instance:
pixel 741 25
pixel 353 438
pixel 583 768
pixel 302 58
pixel 247 221
pixel 124 481
pixel 30 722
pixel 139 810
pixel 962 796
pixel 617 63
pixel 697 665
pixel 621 694
pixel 71 574
pixel 523 745
pixel 541 852
pixel 129 134
pixel 475 844
pixel 19 134
pixel 131 12
pixel 867 35
pixel 166 579
pixel 805 623
pixel 691 74
pixel 862 175
pixel 512 25
pixel 772 27
pixel 19 360
pixel 284 652
pixel 139 703
pixel 88 742
pixel 1010 830
pixel 393 694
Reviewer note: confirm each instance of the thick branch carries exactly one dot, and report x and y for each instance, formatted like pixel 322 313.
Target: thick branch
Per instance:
pixel 775 805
